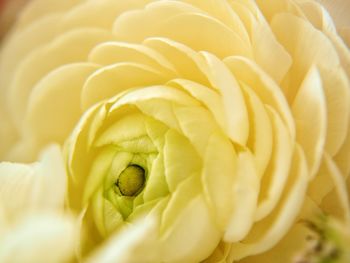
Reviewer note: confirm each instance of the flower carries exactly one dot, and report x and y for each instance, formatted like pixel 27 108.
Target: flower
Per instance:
pixel 206 126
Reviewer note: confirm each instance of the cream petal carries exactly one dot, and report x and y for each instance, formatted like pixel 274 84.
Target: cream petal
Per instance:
pixel 275 178
pixel 188 63
pixel 44 238
pixel 222 11
pixel 217 37
pixel 114 52
pixel 21 44
pixel 309 111
pixel 135 243
pixel 235 108
pixel 17 181
pixel 7 133
pixel 27 188
pixel 260 136
pixel 54 121
pixel 180 159
pixel 103 12
pixel 337 91
pixel 70 47
pixel 126 26
pixel 245 189
pixel 298 41
pixel 209 97
pixel 265 88
pixel 268 53
pixel 219 173
pixel 269 231
pixel 191 236
pixel 197 125
pixel 37 9
pixel 111 80
pixel 340 187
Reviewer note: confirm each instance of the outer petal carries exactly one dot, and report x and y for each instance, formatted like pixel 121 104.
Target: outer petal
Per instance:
pixel 40 239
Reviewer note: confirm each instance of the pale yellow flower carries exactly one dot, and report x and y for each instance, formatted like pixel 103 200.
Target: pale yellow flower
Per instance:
pixel 232 117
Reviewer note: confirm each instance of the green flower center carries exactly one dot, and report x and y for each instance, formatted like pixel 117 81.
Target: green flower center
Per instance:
pixel 131 180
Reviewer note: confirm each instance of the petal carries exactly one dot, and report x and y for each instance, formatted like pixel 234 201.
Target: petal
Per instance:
pixel 309 111
pixel 28 188
pixel 111 80
pixel 54 121
pixel 38 63
pixel 135 243
pixel 245 189
pixel 274 180
pixel 269 231
pixel 235 109
pixel 54 234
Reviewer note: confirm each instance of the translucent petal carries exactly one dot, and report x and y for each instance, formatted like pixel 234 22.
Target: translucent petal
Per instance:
pixel 103 12
pixel 260 137
pixel 156 185
pixel 188 63
pixel 275 178
pixel 115 52
pixel 70 47
pixel 127 128
pixel 265 88
pixel 209 97
pixel 134 243
pixel 245 189
pixel 197 125
pixel 298 41
pixel 111 80
pixel 27 188
pixel 309 110
pixel 190 234
pixel 340 186
pixel 54 121
pixel 219 173
pixel 126 26
pixel 180 159
pixel 40 8
pixel 22 43
pixel 269 231
pixel 27 241
pixel 222 11
pixel 235 109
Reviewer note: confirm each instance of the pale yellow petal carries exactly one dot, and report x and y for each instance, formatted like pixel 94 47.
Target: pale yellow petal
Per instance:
pixel 135 243
pixel 70 47
pixel 269 231
pixel 275 178
pixel 245 190
pixel 54 121
pixel 219 173
pixel 222 79
pixel 309 110
pixel 46 238
pixel 37 9
pixel 266 89
pixel 111 80
pixel 114 52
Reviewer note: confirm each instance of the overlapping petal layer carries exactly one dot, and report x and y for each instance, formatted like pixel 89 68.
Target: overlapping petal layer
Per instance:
pixel 234 110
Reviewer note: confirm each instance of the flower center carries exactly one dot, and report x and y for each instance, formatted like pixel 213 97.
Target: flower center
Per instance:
pixel 131 180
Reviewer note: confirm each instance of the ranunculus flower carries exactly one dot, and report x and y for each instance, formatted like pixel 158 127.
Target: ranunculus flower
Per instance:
pixel 193 130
